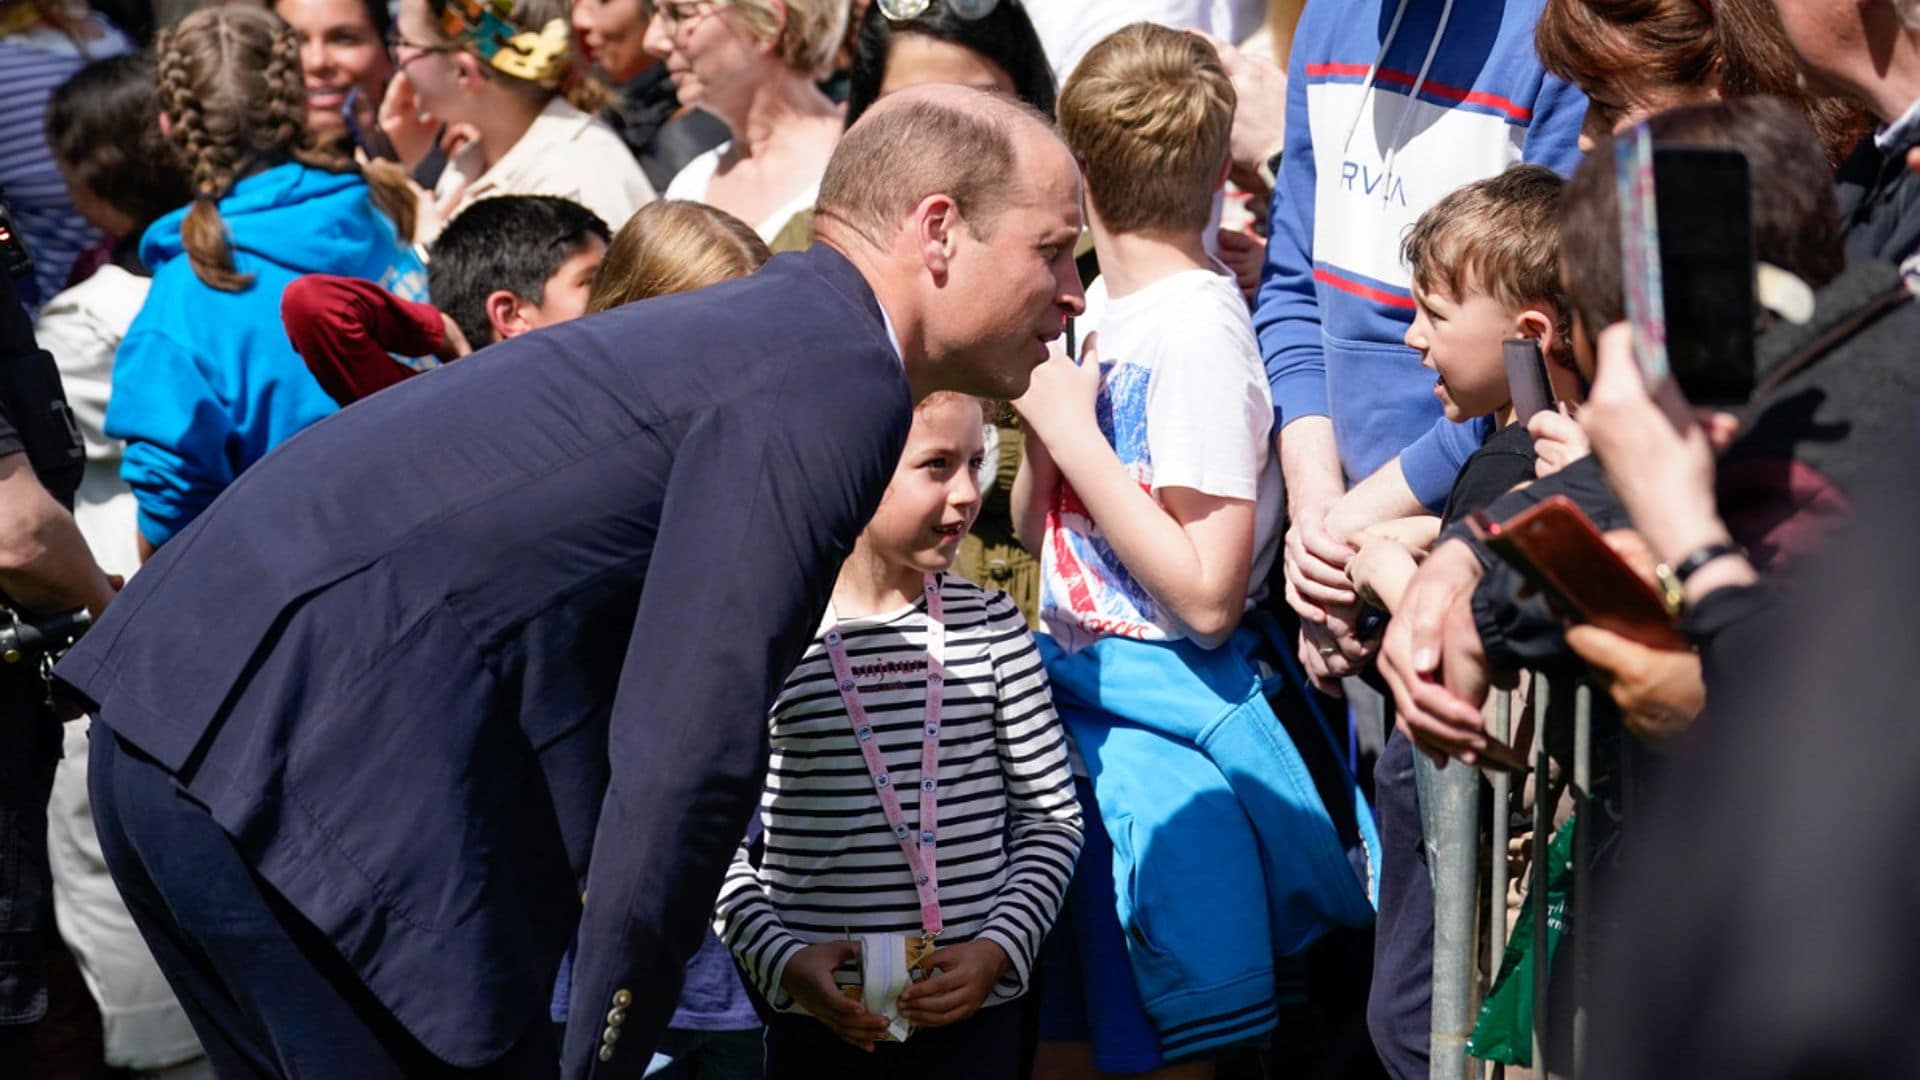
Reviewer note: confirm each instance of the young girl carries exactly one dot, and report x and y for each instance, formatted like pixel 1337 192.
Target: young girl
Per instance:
pixel 919 787
pixel 205 382
pixel 499 66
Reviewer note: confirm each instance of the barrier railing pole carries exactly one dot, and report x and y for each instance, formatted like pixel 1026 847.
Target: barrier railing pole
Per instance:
pixel 1452 829
pixel 1501 786
pixel 1540 843
pixel 1580 909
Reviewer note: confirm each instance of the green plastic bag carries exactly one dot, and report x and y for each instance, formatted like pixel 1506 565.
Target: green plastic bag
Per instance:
pixel 1504 1030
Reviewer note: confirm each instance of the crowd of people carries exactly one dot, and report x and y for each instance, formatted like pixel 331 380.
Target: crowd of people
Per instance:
pixel 720 539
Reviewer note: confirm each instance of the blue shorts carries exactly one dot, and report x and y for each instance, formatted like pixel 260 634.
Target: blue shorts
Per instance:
pixel 1087 993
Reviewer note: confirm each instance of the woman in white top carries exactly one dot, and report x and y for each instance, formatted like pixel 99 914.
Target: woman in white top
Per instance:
pixel 497 66
pixel 752 63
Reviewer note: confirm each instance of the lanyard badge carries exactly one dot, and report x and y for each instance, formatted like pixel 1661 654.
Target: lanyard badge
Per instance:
pixel 919 846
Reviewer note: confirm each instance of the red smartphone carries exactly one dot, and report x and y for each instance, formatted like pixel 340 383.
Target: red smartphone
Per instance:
pixel 1568 561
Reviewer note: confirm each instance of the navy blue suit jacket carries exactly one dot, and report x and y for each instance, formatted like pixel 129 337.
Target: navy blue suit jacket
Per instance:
pixel 440 654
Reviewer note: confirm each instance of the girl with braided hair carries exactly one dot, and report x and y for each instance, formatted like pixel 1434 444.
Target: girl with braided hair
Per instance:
pixel 504 67
pixel 206 382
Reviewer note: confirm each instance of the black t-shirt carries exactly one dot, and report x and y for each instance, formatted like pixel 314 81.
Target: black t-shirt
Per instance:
pixel 34 417
pixel 1502 462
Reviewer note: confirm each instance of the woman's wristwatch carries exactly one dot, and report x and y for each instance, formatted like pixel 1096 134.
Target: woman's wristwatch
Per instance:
pixel 1672 580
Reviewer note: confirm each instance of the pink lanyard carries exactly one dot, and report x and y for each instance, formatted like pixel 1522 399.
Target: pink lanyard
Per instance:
pixel 920 855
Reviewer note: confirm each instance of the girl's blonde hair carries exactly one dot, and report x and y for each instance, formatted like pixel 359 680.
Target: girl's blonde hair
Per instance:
pixel 674 246
pixel 235 100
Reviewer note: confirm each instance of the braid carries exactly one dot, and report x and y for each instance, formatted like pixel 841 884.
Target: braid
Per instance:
pixel 208 148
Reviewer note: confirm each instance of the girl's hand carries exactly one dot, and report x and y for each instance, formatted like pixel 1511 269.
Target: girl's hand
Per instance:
pixel 408 126
pixel 808 977
pixel 959 980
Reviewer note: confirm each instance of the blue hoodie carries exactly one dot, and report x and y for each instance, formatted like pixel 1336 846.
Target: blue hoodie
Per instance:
pixel 1391 104
pixel 205 382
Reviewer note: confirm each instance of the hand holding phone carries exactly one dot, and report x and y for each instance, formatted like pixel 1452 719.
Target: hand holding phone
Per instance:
pixel 1565 557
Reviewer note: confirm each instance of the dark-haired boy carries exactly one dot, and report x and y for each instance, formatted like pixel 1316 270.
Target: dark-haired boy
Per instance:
pixel 505 266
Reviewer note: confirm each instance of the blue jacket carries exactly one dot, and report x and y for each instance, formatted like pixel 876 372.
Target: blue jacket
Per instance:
pixel 1361 165
pixel 205 382
pixel 511 626
pixel 1224 854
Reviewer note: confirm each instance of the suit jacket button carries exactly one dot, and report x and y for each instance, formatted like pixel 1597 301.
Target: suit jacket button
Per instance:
pixel 606 1053
pixel 622 998
pixel 610 1036
pixel 616 1016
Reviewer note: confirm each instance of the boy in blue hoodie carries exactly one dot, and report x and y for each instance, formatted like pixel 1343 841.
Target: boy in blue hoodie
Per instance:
pixel 1151 492
pixel 1391 105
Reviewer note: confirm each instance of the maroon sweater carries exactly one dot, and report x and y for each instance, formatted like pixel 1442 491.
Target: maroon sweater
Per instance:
pixel 346 330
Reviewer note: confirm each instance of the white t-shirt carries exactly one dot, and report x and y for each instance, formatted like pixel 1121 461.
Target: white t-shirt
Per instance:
pixel 696 176
pixel 1184 401
pixel 1068 28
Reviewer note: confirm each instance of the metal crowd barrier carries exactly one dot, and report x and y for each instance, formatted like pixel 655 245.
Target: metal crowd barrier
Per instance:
pixel 1470 916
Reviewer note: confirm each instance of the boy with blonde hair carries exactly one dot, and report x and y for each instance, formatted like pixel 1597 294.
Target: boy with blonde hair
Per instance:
pixel 1151 492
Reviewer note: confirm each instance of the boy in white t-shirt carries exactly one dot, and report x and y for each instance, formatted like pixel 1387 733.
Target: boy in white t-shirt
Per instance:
pixel 1151 494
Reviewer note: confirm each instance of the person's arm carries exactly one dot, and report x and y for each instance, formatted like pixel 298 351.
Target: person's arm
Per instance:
pixel 1382 570
pixel 1035 485
pixel 764 500
pixel 177 431
pixel 1259 117
pixel 785 969
pixel 1286 318
pixel 45 565
pixel 1553 134
pixel 1430 464
pixel 347 329
pixel 1043 823
pixel 1193 552
pixel 749 925
pixel 1438 721
pixel 1379 498
pixel 1388 555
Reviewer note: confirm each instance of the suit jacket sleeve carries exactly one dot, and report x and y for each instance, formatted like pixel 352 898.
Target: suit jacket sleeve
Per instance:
pixel 762 504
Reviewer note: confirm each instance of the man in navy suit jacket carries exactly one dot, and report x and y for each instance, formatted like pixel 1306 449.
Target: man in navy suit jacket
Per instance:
pixel 483 662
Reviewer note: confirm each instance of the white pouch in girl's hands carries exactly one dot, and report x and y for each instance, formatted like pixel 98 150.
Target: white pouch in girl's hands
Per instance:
pixel 889 963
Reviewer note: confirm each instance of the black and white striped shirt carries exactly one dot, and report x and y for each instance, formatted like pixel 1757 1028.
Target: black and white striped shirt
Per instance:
pixel 1009 825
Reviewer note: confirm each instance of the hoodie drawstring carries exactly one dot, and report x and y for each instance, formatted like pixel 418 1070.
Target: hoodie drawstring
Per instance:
pixel 1419 81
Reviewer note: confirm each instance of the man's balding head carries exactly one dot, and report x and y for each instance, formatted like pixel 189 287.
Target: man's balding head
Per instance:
pixel 960 209
pixel 933 139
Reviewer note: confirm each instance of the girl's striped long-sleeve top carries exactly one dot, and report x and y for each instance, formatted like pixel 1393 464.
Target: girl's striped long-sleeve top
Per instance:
pixel 1009 824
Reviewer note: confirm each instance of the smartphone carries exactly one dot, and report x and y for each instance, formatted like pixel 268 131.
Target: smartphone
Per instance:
pixel 1563 556
pixel 1526 378
pixel 1687 265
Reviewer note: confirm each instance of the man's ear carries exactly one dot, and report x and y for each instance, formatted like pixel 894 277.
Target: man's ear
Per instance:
pixel 506 314
pixel 936 222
